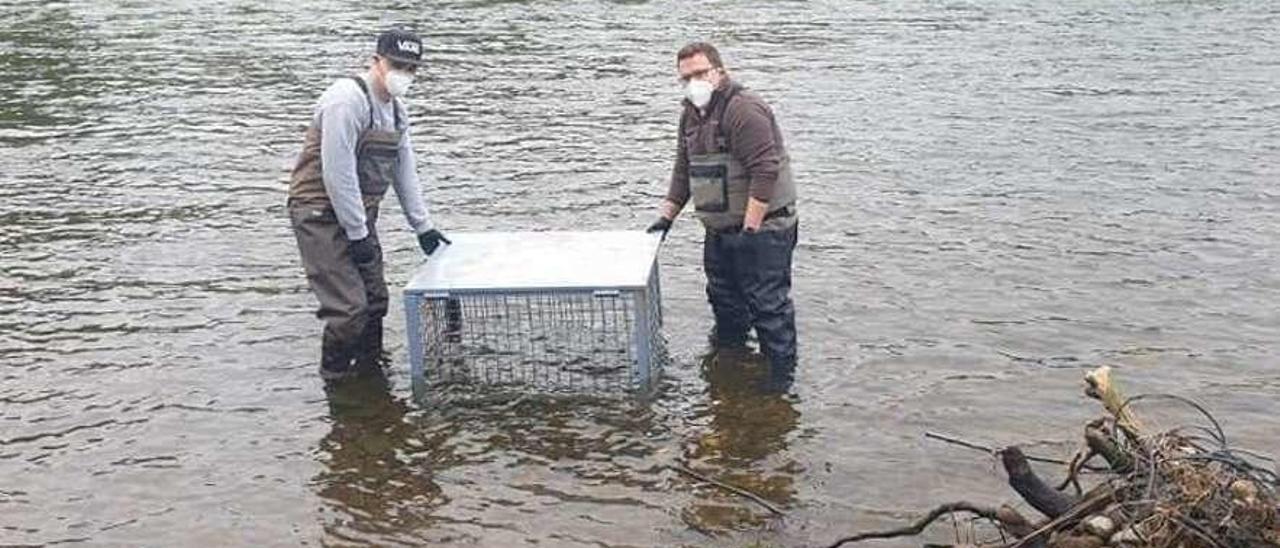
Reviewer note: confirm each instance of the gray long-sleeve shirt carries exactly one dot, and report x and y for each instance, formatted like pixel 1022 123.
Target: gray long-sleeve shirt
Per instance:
pixel 342 114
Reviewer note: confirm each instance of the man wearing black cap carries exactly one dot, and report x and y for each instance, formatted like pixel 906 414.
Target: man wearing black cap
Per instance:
pixel 356 147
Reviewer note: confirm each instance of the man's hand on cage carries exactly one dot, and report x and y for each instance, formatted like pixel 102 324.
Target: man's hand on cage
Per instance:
pixel 430 240
pixel 662 225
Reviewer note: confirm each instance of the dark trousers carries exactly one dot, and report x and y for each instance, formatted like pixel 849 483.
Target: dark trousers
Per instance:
pixel 353 297
pixel 749 285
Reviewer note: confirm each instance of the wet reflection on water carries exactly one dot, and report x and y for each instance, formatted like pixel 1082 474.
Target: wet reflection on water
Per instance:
pixel 745 439
pixel 379 468
pixel 391 470
pixel 395 473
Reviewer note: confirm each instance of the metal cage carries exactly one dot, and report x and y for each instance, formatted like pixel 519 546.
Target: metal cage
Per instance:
pixel 576 312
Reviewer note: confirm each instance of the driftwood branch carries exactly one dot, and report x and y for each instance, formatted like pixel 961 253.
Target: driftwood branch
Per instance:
pixel 1013 522
pixel 1101 443
pixel 1036 492
pixel 1094 501
pixel 735 490
pixel 958 441
pixel 987 449
pixel 1163 489
pixel 1101 387
pixel 920 524
pixel 1080 459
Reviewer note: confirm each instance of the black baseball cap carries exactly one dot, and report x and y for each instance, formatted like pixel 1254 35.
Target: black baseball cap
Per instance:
pixel 400 45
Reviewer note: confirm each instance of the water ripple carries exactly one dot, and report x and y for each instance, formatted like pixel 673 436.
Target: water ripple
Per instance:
pixel 992 195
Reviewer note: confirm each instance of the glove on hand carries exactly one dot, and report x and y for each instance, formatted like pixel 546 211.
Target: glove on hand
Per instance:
pixel 363 251
pixel 430 240
pixel 662 225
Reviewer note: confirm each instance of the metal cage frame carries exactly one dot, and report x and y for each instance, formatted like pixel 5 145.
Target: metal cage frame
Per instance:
pixel 579 338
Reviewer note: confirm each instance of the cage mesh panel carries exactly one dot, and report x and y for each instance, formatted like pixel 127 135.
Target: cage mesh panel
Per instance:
pixel 574 341
pixel 657 343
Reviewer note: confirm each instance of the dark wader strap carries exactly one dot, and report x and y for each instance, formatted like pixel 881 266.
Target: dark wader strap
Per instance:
pixel 722 139
pixel 369 99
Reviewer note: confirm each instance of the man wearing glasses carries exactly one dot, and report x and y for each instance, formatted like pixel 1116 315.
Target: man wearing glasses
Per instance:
pixel 356 147
pixel 731 161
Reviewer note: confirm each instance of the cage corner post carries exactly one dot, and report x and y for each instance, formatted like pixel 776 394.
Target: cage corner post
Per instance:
pixel 642 339
pixel 648 315
pixel 413 328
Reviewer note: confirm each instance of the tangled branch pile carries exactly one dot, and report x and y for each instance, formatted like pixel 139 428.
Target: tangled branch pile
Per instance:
pixel 1180 488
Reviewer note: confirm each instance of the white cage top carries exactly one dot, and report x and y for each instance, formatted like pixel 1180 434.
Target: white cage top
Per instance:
pixel 489 261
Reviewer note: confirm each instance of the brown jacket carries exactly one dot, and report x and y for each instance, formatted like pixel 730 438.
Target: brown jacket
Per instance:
pixel 753 136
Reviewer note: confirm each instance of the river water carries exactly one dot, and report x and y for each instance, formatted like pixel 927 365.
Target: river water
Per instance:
pixel 996 197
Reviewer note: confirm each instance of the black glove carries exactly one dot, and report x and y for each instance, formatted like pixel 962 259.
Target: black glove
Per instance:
pixel 363 251
pixel 662 225
pixel 430 240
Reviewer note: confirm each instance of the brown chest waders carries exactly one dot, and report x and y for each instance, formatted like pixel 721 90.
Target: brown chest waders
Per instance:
pixel 352 296
pixel 748 273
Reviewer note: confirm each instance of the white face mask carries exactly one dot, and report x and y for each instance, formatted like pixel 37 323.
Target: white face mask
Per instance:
pixel 698 92
pixel 398 82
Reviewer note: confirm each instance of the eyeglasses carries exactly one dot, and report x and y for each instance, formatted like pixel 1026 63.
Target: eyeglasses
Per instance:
pixel 695 75
pixel 403 66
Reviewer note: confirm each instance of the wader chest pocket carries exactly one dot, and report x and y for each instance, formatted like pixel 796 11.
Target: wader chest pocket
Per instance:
pixel 709 185
pixel 377 161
